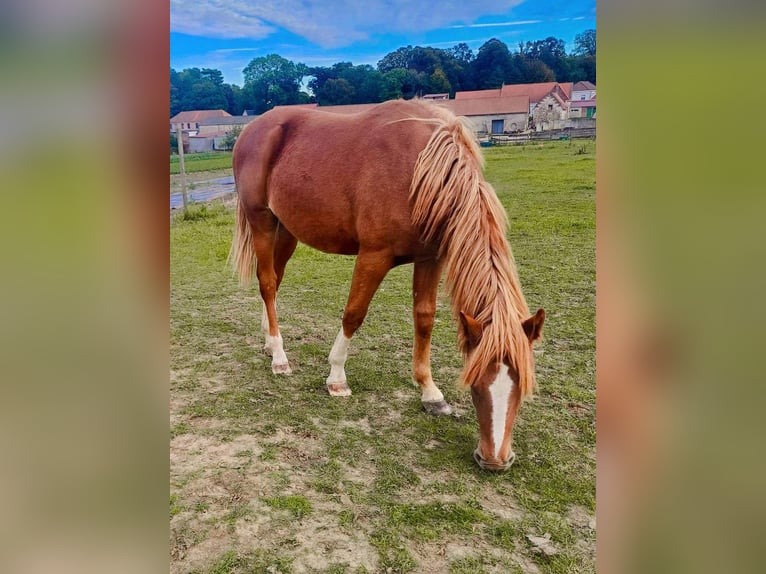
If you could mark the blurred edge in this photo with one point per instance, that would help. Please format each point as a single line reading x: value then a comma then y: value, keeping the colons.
x: 84, y: 303
x: 83, y: 416
x: 680, y: 248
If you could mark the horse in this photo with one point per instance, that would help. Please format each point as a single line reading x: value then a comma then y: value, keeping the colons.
x: 398, y: 183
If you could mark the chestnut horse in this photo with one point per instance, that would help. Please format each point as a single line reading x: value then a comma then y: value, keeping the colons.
x: 399, y: 183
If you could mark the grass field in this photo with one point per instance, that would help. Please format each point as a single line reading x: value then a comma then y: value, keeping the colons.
x: 269, y: 474
x: 194, y: 162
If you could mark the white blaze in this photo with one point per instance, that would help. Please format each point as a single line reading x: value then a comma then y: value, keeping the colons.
x: 500, y: 390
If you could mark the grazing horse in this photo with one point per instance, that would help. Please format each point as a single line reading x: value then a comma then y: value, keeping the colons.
x: 399, y: 183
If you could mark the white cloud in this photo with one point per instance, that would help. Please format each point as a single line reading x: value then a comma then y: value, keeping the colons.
x: 327, y: 23
x: 498, y: 24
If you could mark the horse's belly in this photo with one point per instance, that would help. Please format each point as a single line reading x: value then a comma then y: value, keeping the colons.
x: 333, y: 220
x: 317, y: 226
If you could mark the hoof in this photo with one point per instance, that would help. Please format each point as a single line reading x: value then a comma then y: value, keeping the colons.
x: 340, y: 389
x: 437, y: 408
x: 281, y: 369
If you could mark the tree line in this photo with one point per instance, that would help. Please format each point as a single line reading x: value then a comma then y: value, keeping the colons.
x: 404, y: 73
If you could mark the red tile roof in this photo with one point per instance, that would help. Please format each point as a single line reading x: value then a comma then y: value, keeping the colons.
x: 583, y: 86
x: 488, y: 106
x: 473, y: 94
x: 536, y: 92
x: 198, y: 115
x: 309, y: 106
x: 467, y: 107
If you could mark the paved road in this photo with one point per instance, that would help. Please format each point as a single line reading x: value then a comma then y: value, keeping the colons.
x: 204, y: 191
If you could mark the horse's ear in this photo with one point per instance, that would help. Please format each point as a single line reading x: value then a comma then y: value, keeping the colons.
x: 473, y: 329
x: 533, y: 326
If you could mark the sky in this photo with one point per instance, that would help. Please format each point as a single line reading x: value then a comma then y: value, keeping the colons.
x: 228, y: 34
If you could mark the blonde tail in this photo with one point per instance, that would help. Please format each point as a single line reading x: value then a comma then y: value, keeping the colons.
x: 241, y: 254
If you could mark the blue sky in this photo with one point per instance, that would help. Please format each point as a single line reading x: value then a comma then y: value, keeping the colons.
x: 227, y: 34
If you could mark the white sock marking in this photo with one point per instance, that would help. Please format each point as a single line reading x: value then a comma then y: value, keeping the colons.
x: 337, y: 358
x: 500, y: 390
x: 265, y: 321
x: 274, y: 344
x: 431, y: 393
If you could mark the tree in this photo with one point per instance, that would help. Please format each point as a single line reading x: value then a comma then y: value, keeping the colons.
x: 197, y: 89
x: 336, y: 92
x: 438, y: 82
x: 212, y: 75
x: 461, y: 52
x: 536, y: 71
x: 492, y: 65
x: 552, y: 53
x: 585, y: 43
x: 401, y: 83
x: 273, y: 80
x: 399, y: 59
x: 228, y: 141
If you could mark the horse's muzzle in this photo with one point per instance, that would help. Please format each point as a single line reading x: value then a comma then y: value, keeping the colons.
x: 493, y: 466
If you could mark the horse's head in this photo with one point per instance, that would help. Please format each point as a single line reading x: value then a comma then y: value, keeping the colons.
x: 496, y: 394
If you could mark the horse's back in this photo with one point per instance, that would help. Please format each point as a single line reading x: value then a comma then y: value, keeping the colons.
x: 336, y: 181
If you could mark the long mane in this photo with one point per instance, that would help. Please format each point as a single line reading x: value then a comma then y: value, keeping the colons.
x: 454, y: 207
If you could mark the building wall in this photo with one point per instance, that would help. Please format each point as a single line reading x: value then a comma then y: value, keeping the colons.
x: 511, y: 122
x: 581, y: 95
x: 577, y: 123
x: 197, y: 145
x: 218, y: 128
x: 549, y: 115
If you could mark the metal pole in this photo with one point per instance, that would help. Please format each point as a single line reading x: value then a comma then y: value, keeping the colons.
x: 179, y: 135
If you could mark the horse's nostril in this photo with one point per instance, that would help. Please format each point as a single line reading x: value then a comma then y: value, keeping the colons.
x: 491, y: 466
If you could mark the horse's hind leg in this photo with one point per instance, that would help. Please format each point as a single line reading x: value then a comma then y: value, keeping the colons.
x: 284, y: 247
x: 369, y: 271
x: 265, y: 238
x: 425, y: 282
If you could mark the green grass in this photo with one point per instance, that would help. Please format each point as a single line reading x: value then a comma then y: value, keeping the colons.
x: 373, y: 467
x: 297, y: 506
x: 194, y: 162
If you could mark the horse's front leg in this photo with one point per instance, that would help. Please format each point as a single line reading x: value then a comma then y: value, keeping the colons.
x: 370, y: 269
x: 425, y: 282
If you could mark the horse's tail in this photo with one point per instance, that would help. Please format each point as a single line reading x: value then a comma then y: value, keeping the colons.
x: 242, y: 254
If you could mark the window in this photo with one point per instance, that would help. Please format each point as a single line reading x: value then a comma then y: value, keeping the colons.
x: 550, y: 106
x: 497, y: 126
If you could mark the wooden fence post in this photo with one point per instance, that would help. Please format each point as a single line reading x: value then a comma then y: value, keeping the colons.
x: 179, y: 135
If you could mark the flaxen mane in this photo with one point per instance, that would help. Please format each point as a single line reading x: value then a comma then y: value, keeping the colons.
x: 453, y: 206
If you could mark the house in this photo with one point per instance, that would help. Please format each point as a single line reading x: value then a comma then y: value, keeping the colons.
x: 582, y: 109
x: 504, y: 114
x: 496, y: 115
x: 583, y: 91
x: 474, y: 94
x: 212, y: 131
x: 190, y: 120
x: 550, y: 112
x: 537, y: 92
